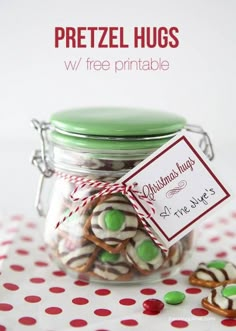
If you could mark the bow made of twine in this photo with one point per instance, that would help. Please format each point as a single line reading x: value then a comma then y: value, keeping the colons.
x: 106, y: 188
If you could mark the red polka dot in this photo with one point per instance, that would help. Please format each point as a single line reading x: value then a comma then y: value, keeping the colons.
x: 31, y: 225
x: 3, y: 257
x: 37, y: 280
x: 208, y: 225
x: 229, y: 322
x: 199, y: 312
x: 179, y: 324
x: 102, y: 291
x: 223, y: 221
x: 102, y: 312
x: 53, y: 310
x: 80, y: 283
x: 127, y: 302
x: 234, y: 248
x: 193, y: 290
x: 59, y: 273
x: 16, y: 217
x: 32, y: 298
x: 6, y: 242
x: 57, y: 289
x: 186, y: 272
x: 41, y: 264
x: 3, y: 328
x: 22, y: 252
x: 12, y: 230
x: 214, y: 239
x: 230, y: 233
x: 42, y: 248
x: 148, y: 291
x: 221, y: 254
x: 80, y: 301
x: 5, y: 307
x: 26, y: 238
x: 201, y: 248
x: 17, y: 267
x: 129, y: 322
x: 27, y: 320
x: 169, y: 281
x: 165, y: 274
x: 78, y: 323
x: 11, y: 287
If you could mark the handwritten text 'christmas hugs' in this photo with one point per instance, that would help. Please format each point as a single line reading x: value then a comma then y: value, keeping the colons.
x: 179, y: 182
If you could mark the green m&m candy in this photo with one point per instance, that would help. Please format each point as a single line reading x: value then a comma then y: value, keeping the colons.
x: 229, y: 291
x: 114, y: 219
x: 218, y: 264
x: 174, y: 297
x: 147, y: 250
x: 108, y: 257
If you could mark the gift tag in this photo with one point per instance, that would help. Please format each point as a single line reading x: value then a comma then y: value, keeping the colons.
x: 180, y: 185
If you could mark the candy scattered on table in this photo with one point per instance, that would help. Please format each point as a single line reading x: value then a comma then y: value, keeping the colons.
x: 213, y: 274
x: 68, y: 304
x: 174, y: 297
x: 222, y: 300
x: 153, y: 305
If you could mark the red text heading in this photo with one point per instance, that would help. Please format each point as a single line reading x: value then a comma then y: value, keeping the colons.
x: 115, y: 37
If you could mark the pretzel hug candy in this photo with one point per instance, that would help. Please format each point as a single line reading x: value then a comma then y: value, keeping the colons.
x: 112, y: 222
x: 143, y: 254
x: 112, y: 267
x: 212, y: 274
x: 108, y: 241
x: 77, y: 255
x: 175, y: 255
x: 222, y: 300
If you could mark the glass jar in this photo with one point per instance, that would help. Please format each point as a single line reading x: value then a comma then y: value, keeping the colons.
x: 96, y: 236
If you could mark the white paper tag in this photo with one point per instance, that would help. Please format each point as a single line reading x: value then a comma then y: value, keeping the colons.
x: 179, y: 182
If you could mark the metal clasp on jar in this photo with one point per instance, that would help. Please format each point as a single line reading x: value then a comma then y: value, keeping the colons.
x: 205, y: 143
x: 40, y: 160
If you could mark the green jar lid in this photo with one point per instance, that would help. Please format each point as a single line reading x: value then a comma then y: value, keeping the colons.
x: 105, y: 127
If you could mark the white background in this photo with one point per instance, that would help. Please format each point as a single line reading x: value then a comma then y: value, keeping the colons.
x: 34, y: 83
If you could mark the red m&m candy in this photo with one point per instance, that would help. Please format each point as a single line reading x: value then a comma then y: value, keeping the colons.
x: 153, y: 305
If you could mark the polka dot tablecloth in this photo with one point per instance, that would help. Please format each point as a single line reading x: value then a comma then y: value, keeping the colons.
x: 35, y: 295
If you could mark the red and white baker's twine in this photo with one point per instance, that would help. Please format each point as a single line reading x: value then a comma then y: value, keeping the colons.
x: 106, y: 189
